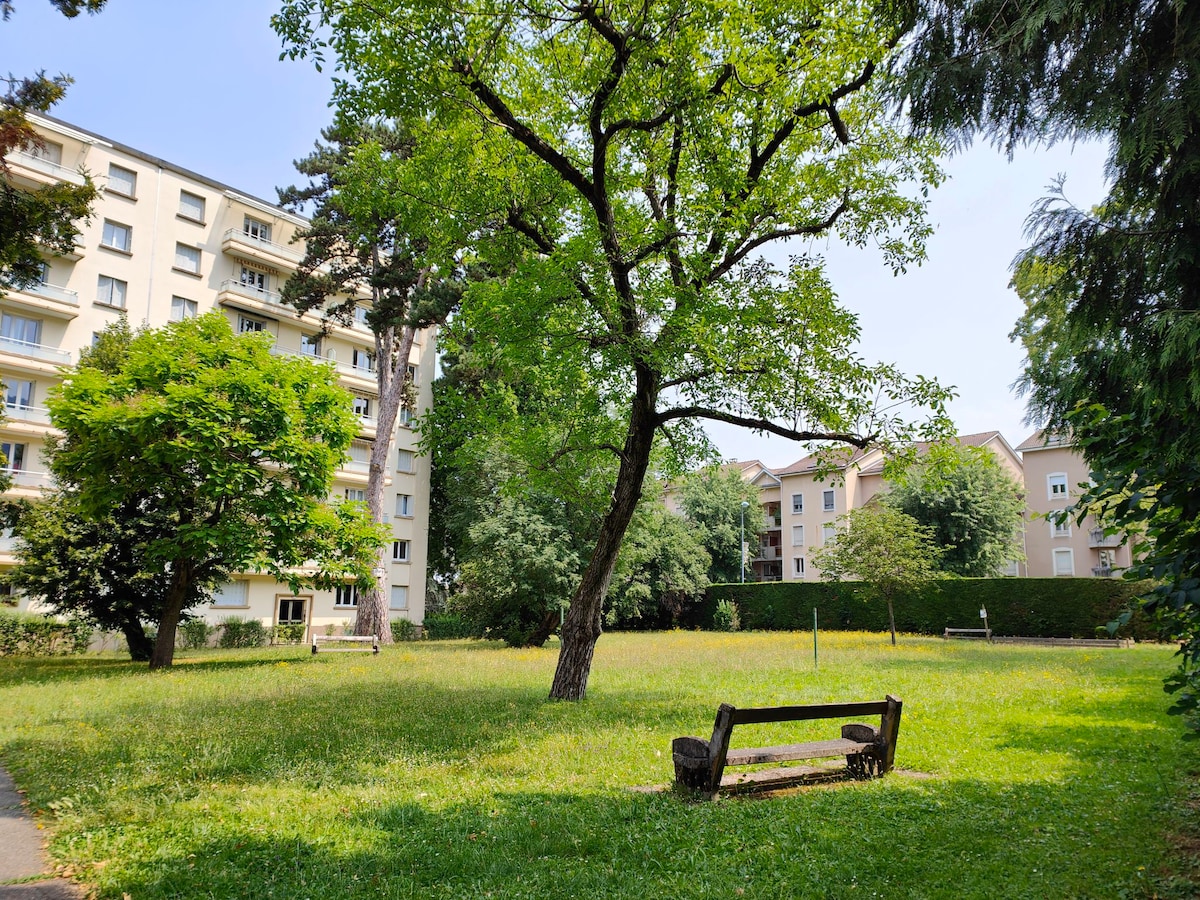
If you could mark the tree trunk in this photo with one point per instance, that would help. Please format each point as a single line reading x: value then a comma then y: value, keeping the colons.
x: 164, y: 645
x: 141, y: 648
x: 892, y: 619
x: 581, y: 628
x: 391, y: 372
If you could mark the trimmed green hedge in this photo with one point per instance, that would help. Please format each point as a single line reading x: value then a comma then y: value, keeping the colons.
x: 1024, y: 607
x: 31, y: 635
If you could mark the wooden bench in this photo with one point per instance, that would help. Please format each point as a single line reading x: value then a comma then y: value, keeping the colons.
x: 345, y: 638
x: 970, y: 633
x: 869, y: 751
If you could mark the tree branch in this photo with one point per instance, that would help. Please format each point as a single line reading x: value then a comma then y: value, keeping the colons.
x: 716, y: 415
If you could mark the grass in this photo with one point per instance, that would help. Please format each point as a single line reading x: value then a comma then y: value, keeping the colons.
x: 440, y: 770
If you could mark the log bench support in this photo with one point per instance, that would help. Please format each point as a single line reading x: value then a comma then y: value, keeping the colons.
x: 869, y: 751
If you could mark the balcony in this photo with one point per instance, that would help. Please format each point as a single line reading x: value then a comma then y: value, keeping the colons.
x: 769, y: 553
x: 233, y: 290
x: 237, y: 241
x: 41, y: 352
x: 33, y: 415
x: 1103, y: 571
x: 29, y: 170
x: 770, y: 522
x: 47, y: 299
x: 23, y: 478
x: 1097, y: 539
x: 365, y: 376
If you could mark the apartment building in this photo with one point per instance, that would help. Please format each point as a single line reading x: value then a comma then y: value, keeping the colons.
x: 166, y: 244
x: 1057, y: 545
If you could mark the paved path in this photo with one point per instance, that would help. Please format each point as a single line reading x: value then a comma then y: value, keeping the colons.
x: 21, y: 854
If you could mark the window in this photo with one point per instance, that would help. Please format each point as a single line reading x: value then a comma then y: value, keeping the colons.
x: 404, y: 461
x: 1010, y: 569
x: 827, y: 501
x: 116, y: 236
x: 798, y: 566
x: 256, y: 230
x: 47, y: 150
x: 254, y: 279
x: 235, y: 593
x: 1060, y: 527
x: 357, y: 494
x: 291, y: 610
x: 187, y: 259
x: 399, y: 597
x: 346, y: 595
x: 122, y: 181
x: 18, y: 394
x: 44, y: 274
x: 360, y: 317
x: 111, y: 292
x: 797, y: 535
x: 182, y: 308
x: 20, y: 329
x: 1056, y: 484
x: 360, y: 451
x: 404, y: 505
x: 1064, y: 562
x: 362, y: 406
x: 310, y: 344
x: 14, y: 455
x: 828, y: 533
x: 363, y: 360
x: 405, y: 415
x: 400, y: 551
x: 412, y: 374
x: 247, y: 324
x: 191, y: 206
x: 797, y: 504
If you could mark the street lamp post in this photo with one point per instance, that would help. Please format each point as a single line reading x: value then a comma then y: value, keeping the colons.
x: 745, y: 506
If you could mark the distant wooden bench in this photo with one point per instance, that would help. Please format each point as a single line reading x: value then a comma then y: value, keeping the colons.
x: 345, y: 638
x: 983, y: 634
x: 869, y: 751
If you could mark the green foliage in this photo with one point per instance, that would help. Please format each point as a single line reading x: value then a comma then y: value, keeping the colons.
x: 725, y: 617
x: 521, y: 573
x: 712, y: 499
x: 31, y: 635
x: 661, y: 570
x: 446, y: 626
x: 239, y: 633
x: 194, y: 634
x: 972, y: 506
x: 291, y: 633
x: 218, y: 455
x: 1022, y: 607
x: 403, y: 630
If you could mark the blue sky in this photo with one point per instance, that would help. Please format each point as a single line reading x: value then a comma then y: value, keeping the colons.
x: 200, y: 84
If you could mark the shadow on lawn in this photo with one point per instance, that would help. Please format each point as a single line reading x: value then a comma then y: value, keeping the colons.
x: 897, y: 838
x: 45, y: 670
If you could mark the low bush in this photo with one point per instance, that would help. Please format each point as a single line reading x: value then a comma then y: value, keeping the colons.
x: 725, y: 616
x: 194, y: 634
x: 31, y: 635
x: 1024, y: 607
x: 237, y: 632
x: 288, y: 634
x: 403, y: 630
x: 446, y: 626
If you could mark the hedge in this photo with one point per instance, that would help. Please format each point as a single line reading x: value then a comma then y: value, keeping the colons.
x: 1023, y: 607
x: 29, y: 635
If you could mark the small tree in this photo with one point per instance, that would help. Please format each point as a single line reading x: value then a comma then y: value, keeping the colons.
x: 883, y: 547
x: 972, y: 505
x: 712, y: 499
x: 663, y: 565
x: 221, y: 457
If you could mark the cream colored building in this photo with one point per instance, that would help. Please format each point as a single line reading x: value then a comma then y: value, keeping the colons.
x: 1054, y: 545
x: 163, y: 244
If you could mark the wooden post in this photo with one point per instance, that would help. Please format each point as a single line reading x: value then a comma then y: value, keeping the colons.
x: 718, y: 747
x: 889, y: 732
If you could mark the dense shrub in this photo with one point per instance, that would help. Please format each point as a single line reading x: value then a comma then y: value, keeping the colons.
x: 1025, y: 607
x: 288, y: 634
x: 445, y: 626
x: 30, y: 635
x: 194, y: 634
x: 403, y: 630
x: 725, y: 616
x: 238, y: 632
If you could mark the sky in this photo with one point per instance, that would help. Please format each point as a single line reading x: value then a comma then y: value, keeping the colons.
x: 199, y: 83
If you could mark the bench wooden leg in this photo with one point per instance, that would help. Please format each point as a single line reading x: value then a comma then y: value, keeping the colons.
x: 690, y: 755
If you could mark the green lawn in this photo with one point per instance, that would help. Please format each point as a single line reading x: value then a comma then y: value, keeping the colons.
x: 440, y: 770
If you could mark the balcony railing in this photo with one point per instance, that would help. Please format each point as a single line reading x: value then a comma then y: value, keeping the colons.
x: 238, y: 236
x: 769, y: 553
x: 236, y: 286
x: 46, y: 167
x: 36, y: 351
x: 1097, y: 538
x: 1102, y: 571
x: 28, y: 479
x: 17, y: 413
x: 344, y: 368
x: 53, y: 292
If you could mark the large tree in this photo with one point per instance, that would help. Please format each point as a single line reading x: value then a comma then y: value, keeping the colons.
x: 624, y: 166
x: 359, y: 240
x: 889, y: 550
x: 220, y: 453
x: 1111, y: 293
x: 974, y: 508
x: 712, y: 499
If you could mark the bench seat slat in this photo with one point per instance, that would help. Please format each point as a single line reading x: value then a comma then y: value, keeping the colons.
x: 765, y: 714
x: 787, y: 752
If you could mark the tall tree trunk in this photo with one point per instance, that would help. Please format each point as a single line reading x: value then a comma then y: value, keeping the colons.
x: 892, y: 619
x: 582, y: 628
x: 164, y: 645
x: 141, y: 648
x: 391, y: 368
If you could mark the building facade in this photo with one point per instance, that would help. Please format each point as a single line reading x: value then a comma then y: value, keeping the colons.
x: 166, y: 244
